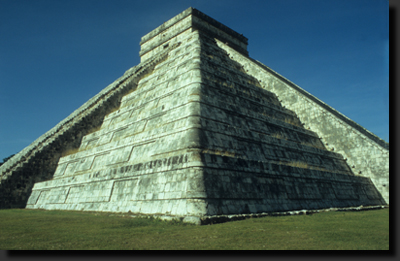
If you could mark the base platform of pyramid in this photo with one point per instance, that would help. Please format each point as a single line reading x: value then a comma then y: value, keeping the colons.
x: 208, y: 131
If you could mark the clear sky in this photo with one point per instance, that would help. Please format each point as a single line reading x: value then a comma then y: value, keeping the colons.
x: 56, y: 55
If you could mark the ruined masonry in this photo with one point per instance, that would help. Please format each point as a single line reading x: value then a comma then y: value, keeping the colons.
x: 196, y: 130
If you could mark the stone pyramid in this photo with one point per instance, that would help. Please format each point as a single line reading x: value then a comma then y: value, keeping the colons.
x: 199, y: 129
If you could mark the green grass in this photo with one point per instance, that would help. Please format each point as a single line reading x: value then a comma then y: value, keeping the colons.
x: 37, y: 229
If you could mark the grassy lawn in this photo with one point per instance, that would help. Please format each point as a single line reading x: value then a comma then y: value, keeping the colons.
x: 37, y: 229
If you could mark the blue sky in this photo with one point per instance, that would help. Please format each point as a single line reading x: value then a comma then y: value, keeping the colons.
x: 55, y: 55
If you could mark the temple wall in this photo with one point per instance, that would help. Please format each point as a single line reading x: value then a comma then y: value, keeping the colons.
x: 177, y: 28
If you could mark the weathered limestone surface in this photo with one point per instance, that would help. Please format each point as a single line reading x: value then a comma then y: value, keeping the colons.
x: 38, y: 161
x: 366, y: 153
x: 199, y: 135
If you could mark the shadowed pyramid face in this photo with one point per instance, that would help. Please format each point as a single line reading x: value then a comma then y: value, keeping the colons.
x: 197, y: 137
